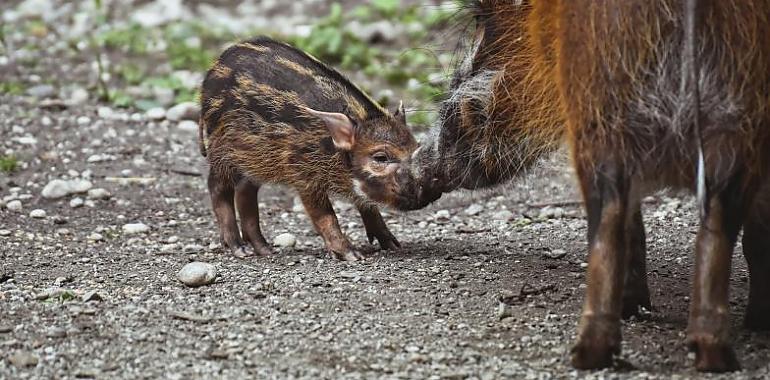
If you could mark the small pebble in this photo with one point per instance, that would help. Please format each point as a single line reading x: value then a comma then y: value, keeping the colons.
x: 14, y: 205
x: 503, y: 215
x: 92, y: 295
x: 5, y: 232
x: 474, y: 209
x: 23, y: 359
x: 197, y: 274
x: 442, y: 216
x: 135, y: 228
x: 76, y: 202
x: 156, y: 113
x: 285, y: 240
x: 98, y: 193
x: 37, y: 214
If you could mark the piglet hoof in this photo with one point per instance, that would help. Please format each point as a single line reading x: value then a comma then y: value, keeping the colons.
x: 242, y: 252
x: 263, y: 250
x: 711, y: 356
x: 757, y: 319
x: 351, y: 255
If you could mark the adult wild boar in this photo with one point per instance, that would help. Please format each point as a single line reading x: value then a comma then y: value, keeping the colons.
x: 647, y: 94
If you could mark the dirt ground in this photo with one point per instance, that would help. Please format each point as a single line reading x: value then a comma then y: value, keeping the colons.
x: 431, y: 310
x: 488, y: 284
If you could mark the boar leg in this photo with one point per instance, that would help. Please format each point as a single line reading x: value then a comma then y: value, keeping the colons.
x: 708, y: 329
x: 636, y: 291
x: 222, y: 196
x: 606, y: 191
x: 321, y: 213
x: 756, y: 249
x: 376, y: 228
x: 248, y: 208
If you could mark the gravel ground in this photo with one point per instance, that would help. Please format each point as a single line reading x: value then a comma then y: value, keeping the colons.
x: 488, y: 284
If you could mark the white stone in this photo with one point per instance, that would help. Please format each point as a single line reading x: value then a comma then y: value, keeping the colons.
x: 297, y: 206
x: 183, y: 111
x: 83, y: 121
x: 135, y: 228
x: 14, y: 205
x: 157, y: 113
x: 197, y: 274
x: 25, y: 140
x: 442, y: 216
x: 37, y: 214
x: 105, y: 112
x: 504, y: 215
x: 98, y: 193
x: 187, y: 126
x: 76, y: 202
x: 474, y: 209
x: 59, y: 188
x: 78, y: 96
x: 193, y: 248
x: 5, y: 232
x: 95, y: 237
x: 285, y: 240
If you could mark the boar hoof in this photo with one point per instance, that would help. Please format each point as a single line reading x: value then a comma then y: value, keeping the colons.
x: 711, y: 356
x: 632, y: 305
x: 389, y: 243
x: 592, y: 355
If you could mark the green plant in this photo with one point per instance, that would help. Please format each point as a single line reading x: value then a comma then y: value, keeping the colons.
x: 8, y: 163
x: 11, y: 88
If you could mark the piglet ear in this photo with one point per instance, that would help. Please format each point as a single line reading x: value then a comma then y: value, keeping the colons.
x: 400, y: 113
x: 339, y: 126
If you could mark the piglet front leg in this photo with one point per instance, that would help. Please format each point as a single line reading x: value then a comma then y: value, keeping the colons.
x: 321, y: 213
x: 377, y: 229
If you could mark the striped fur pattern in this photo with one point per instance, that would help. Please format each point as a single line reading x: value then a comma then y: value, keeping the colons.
x: 256, y: 126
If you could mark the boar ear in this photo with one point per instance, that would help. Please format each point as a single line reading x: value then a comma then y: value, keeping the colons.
x: 400, y: 113
x: 339, y: 126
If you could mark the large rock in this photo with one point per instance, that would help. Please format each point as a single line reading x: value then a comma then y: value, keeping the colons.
x: 197, y: 274
x: 59, y: 188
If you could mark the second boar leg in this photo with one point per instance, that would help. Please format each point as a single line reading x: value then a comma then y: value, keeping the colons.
x: 321, y: 213
x: 708, y: 328
x: 756, y: 249
x: 377, y: 229
x: 606, y: 192
x: 636, y: 292
x: 222, y: 194
x: 246, y: 198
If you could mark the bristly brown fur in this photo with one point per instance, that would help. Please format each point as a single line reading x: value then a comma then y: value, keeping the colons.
x: 608, y: 75
x: 263, y: 105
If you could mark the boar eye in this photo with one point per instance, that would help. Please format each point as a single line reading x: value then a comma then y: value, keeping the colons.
x: 381, y: 157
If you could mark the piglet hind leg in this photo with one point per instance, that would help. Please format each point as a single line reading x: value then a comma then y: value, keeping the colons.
x: 756, y: 249
x: 708, y: 330
x: 606, y: 193
x: 377, y: 229
x: 222, y: 194
x: 246, y: 198
x: 321, y: 213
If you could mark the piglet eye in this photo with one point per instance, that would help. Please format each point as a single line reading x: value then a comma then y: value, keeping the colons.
x: 381, y: 158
